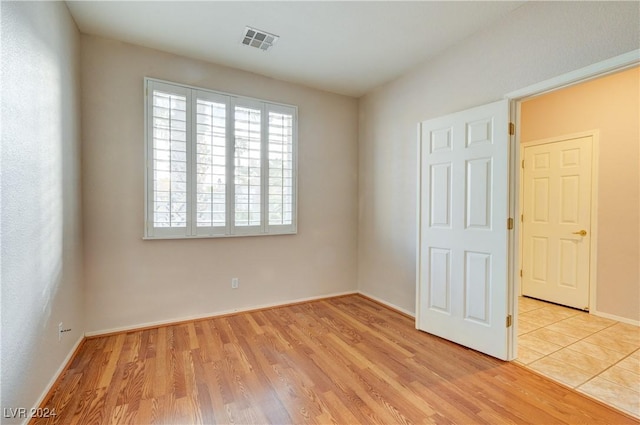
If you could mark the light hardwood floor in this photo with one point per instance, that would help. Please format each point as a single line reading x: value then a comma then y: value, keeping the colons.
x: 344, y: 360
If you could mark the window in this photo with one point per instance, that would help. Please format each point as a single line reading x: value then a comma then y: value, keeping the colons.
x: 217, y: 164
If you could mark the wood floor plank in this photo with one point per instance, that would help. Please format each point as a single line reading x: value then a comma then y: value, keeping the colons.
x: 160, y: 378
x: 345, y: 360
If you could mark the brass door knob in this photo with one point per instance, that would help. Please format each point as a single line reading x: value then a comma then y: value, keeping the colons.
x: 581, y: 233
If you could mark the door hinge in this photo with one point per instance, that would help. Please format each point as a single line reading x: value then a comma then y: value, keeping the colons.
x: 509, y: 321
x: 522, y: 218
x: 520, y: 272
x: 512, y: 129
x: 523, y: 164
x: 510, y: 223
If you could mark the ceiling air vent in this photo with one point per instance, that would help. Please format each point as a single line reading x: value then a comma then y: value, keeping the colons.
x: 259, y: 39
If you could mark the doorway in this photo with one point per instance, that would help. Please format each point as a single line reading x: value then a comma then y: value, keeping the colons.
x: 573, y: 347
x: 606, y: 109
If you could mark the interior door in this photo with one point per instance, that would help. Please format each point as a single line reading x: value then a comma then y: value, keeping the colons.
x: 462, y: 275
x: 556, y: 223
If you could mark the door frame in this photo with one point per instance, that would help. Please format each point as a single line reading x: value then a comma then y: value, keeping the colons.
x: 593, y: 230
x: 593, y: 71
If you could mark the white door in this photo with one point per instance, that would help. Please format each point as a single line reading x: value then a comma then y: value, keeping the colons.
x: 556, y: 222
x: 462, y: 228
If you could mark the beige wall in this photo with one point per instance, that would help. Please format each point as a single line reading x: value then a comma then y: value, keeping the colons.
x: 538, y: 41
x: 610, y: 105
x: 131, y: 281
x: 41, y: 239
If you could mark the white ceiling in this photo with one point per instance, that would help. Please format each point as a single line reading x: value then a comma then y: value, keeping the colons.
x: 347, y: 47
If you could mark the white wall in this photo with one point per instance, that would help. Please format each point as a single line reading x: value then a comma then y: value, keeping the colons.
x: 538, y: 41
x: 131, y: 282
x: 41, y: 231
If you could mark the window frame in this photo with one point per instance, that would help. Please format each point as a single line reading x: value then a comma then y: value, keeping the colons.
x: 192, y: 94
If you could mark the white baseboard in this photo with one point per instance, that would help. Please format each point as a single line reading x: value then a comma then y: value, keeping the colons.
x: 56, y: 375
x: 616, y: 318
x: 213, y: 314
x: 388, y: 304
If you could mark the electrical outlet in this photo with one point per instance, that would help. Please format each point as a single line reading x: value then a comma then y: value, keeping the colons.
x: 234, y: 283
x: 61, y: 330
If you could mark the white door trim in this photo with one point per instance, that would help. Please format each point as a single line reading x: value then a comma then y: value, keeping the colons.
x: 598, y: 69
x: 595, y: 145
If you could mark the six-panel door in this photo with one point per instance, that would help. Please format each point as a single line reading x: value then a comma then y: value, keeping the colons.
x: 557, y: 221
x: 463, y: 240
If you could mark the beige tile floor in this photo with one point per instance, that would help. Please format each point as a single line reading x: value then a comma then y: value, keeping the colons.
x: 596, y: 356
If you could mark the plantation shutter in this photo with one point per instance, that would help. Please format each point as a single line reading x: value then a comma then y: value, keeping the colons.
x: 281, y: 167
x: 217, y: 165
x: 211, y: 164
x: 168, y: 168
x: 248, y: 137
